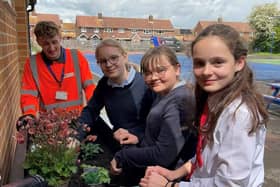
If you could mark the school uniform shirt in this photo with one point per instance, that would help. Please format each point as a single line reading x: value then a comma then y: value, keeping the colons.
x: 235, y: 158
x: 163, y: 139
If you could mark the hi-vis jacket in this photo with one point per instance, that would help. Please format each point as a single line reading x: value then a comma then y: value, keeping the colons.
x: 42, y: 91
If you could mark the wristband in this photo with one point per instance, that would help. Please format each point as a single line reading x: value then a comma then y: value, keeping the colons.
x: 173, y: 184
x: 168, y: 181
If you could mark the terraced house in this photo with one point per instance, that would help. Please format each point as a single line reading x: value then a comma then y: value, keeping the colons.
x: 129, y: 29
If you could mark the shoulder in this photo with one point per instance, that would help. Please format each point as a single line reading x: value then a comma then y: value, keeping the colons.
x: 183, y: 92
x: 236, y: 115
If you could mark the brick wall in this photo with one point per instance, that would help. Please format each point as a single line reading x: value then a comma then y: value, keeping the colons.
x: 13, y: 51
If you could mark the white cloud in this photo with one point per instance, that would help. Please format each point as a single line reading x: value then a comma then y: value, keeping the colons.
x: 182, y: 13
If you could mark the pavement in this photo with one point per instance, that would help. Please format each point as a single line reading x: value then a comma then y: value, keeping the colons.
x: 272, y: 145
x: 272, y: 148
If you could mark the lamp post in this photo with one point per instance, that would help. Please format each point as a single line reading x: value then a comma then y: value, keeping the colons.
x: 272, y: 42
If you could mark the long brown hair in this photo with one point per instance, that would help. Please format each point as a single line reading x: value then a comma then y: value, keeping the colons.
x: 241, y: 85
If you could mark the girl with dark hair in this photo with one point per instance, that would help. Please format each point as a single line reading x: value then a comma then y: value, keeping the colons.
x: 231, y: 117
x: 167, y: 132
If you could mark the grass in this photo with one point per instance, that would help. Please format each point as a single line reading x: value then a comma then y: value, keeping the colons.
x: 266, y: 58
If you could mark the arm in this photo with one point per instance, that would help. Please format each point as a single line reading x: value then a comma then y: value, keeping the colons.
x: 29, y: 99
x: 164, y: 150
x: 160, y: 177
x: 91, y: 112
x: 171, y: 175
x: 136, y: 134
x: 86, y: 76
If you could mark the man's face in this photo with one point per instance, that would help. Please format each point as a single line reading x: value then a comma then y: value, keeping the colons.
x: 50, y: 46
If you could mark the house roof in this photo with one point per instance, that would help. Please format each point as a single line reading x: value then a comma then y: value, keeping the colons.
x: 68, y: 26
x: 239, y: 26
x: 36, y: 17
x: 116, y: 22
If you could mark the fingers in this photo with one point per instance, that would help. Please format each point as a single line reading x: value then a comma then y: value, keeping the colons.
x: 128, y: 139
x: 114, y: 169
x: 143, y: 182
x: 24, y: 120
x: 73, y: 143
x: 118, y: 133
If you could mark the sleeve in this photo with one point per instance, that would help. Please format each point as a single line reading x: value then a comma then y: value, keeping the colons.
x: 145, y: 107
x: 166, y: 148
x: 91, y: 112
x: 86, y: 76
x: 237, y: 154
x: 29, y: 96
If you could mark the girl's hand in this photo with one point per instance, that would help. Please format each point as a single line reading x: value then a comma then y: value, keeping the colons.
x: 153, y: 180
x: 119, y: 132
x: 114, y: 169
x: 123, y: 136
x: 169, y: 174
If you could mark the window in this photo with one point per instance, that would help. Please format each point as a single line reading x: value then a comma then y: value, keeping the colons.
x: 96, y: 30
x: 147, y: 31
x: 83, y: 29
x: 133, y: 30
x: 121, y: 30
x: 108, y: 30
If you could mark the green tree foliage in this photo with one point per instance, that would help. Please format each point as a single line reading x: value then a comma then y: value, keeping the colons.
x: 265, y: 20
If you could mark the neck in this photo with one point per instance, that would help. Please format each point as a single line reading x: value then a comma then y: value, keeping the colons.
x: 121, y: 79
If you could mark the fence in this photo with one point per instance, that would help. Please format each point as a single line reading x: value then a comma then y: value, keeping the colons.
x: 85, y: 45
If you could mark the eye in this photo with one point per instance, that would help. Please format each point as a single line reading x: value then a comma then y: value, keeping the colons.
x: 114, y: 57
x: 218, y: 62
x: 198, y: 63
x: 161, y: 69
x: 147, y: 73
x: 102, y: 61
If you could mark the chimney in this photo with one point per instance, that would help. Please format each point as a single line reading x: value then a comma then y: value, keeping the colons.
x: 220, y: 19
x: 151, y: 18
x: 99, y: 15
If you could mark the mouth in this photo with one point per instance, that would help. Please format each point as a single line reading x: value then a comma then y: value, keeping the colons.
x: 208, y: 82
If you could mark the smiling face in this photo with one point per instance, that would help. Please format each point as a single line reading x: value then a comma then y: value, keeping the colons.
x: 161, y: 76
x: 113, y: 63
x: 50, y: 46
x: 214, y: 65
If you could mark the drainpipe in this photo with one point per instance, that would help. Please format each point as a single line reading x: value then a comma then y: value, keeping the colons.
x: 29, y: 8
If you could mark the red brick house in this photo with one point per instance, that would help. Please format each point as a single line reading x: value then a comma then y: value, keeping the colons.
x: 129, y: 29
x: 243, y: 28
x: 34, y: 18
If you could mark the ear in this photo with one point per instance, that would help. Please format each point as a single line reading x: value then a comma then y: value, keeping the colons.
x: 38, y: 41
x: 240, y: 63
x: 178, y: 70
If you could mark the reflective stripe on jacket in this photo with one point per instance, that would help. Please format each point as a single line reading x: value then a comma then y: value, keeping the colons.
x: 39, y: 87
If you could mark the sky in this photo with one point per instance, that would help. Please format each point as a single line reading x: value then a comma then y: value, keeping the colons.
x: 182, y: 13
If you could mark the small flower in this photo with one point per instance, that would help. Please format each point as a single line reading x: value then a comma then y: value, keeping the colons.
x: 31, y: 131
x: 51, y: 141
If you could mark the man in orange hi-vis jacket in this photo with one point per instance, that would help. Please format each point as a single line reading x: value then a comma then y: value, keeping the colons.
x: 56, y: 77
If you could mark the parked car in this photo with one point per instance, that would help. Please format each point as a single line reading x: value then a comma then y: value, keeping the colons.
x: 173, y: 43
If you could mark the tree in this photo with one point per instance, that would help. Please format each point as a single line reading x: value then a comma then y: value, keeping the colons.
x: 265, y: 20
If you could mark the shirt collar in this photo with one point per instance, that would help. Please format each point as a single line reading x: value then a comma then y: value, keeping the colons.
x: 131, y: 75
x: 61, y: 58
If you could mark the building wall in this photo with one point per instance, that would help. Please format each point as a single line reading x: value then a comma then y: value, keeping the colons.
x: 13, y: 50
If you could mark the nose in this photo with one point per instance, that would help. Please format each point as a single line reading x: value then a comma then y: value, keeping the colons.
x: 52, y: 47
x: 154, y: 76
x: 207, y: 70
